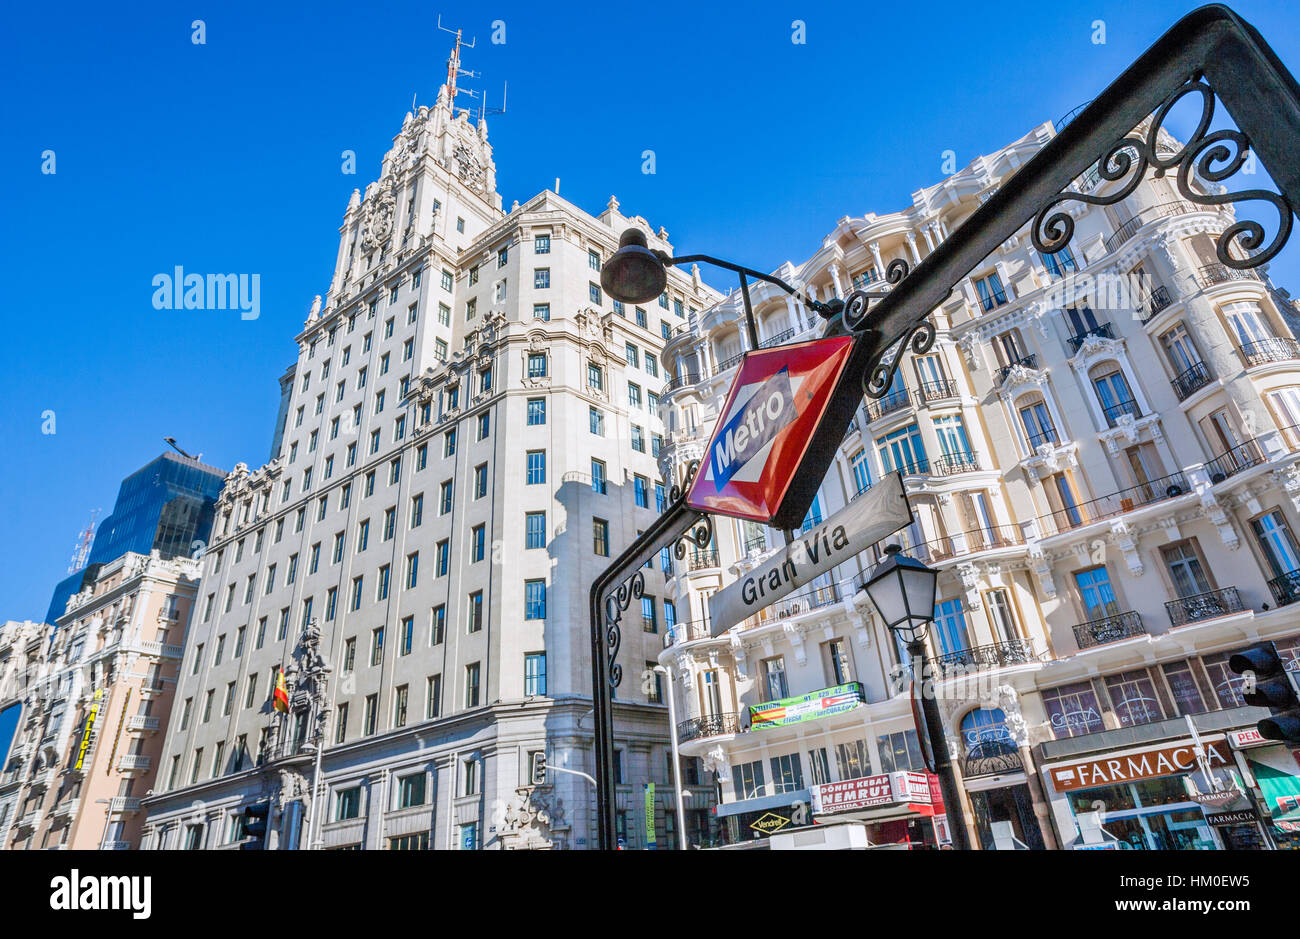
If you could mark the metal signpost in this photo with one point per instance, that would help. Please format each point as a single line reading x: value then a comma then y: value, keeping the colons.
x: 1209, y: 53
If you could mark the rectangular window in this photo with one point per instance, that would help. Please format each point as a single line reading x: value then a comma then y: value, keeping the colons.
x: 478, y: 543
x: 475, y: 612
x: 536, y: 411
x: 596, y: 421
x: 598, y: 476
x: 471, y: 685
x: 535, y: 673
x: 376, y: 645
x: 437, y: 624
x: 480, y: 481
x: 536, y: 463
x: 535, y: 530
x: 433, y: 696
x: 600, y: 537
x: 443, y: 552
x: 534, y: 599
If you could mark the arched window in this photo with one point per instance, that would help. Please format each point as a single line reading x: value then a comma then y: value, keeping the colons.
x: 1036, y: 420
x: 988, y: 745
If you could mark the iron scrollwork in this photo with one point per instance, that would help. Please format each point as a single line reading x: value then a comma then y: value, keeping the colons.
x: 1214, y: 156
x: 856, y: 313
x: 615, y: 604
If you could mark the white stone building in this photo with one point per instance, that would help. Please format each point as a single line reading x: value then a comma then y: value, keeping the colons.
x: 470, y: 433
x: 1101, y: 450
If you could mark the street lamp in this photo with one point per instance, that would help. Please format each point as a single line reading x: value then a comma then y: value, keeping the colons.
x: 636, y: 274
x: 677, y: 758
x: 902, y: 589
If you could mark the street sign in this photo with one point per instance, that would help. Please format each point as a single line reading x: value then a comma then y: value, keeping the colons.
x: 766, y: 429
x: 876, y: 514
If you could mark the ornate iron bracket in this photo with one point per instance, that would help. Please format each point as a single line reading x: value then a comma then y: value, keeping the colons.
x: 1214, y: 156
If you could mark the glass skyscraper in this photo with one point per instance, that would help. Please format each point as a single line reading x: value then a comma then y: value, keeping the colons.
x: 166, y: 505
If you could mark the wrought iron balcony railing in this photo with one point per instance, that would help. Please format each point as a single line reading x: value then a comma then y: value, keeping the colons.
x: 1119, y: 409
x: 1211, y: 274
x: 700, y: 559
x: 682, y: 380
x: 758, y: 543
x: 1154, y: 304
x: 800, y: 603
x: 727, y: 364
x: 1046, y: 435
x: 894, y: 401
x: 1130, y: 228
x: 711, y: 725
x: 1190, y: 379
x: 778, y: 338
x: 937, y: 390
x: 1076, y: 341
x: 686, y: 632
x: 1274, y: 349
x: 952, y: 463
x: 1285, y: 587
x: 1108, y: 629
x: 1241, y: 457
x: 1206, y: 605
x: 1029, y: 361
x: 994, y: 655
x: 1116, y: 503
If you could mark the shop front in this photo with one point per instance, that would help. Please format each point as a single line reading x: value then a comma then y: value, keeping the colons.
x: 1143, y: 798
x: 1275, y: 769
x: 996, y: 784
x: 901, y: 810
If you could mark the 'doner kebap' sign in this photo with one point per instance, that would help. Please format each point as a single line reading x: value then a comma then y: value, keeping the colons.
x: 775, y: 405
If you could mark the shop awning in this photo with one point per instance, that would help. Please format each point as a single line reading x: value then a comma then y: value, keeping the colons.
x: 782, y: 801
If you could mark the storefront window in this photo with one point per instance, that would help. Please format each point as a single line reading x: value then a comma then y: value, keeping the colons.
x: 1150, y: 815
x: 1134, y: 698
x: 1073, y: 710
x: 1226, y: 683
x: 1182, y: 683
x: 900, y: 752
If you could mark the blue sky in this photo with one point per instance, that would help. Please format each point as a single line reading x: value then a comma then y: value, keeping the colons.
x: 225, y: 157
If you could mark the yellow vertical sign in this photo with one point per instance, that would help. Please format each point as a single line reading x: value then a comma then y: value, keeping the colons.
x: 90, y: 726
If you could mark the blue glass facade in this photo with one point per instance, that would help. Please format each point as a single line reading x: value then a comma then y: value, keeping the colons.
x: 165, y: 505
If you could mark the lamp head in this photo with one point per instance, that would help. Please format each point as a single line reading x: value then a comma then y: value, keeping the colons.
x: 634, y: 273
x: 902, y: 589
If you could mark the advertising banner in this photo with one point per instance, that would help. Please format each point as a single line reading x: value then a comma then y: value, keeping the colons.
x: 807, y: 707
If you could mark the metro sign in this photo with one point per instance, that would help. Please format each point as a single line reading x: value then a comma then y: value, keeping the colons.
x: 767, y: 427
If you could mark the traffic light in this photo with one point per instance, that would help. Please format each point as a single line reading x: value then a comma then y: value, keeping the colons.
x: 252, y: 826
x: 1270, y: 685
x: 539, y: 768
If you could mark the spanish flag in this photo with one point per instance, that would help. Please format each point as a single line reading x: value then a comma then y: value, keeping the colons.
x: 280, y: 699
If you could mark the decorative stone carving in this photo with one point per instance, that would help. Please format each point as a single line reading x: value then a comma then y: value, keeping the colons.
x: 715, y: 761
x: 796, y: 636
x: 1126, y: 539
x: 1008, y: 701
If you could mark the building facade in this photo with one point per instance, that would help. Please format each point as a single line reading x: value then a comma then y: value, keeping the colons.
x: 95, y: 690
x: 470, y: 432
x: 1101, y: 453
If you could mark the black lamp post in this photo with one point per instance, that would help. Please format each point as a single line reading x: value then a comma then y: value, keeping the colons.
x: 636, y: 274
x: 903, y: 590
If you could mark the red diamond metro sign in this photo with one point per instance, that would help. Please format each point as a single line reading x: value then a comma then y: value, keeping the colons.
x: 775, y: 405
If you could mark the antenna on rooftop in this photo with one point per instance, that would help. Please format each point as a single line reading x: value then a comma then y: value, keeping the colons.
x: 455, y: 71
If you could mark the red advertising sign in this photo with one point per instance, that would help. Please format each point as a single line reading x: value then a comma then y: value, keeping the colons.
x: 902, y: 789
x: 775, y: 404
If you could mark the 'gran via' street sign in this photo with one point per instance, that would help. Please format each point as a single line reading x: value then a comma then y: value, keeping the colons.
x: 876, y: 514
